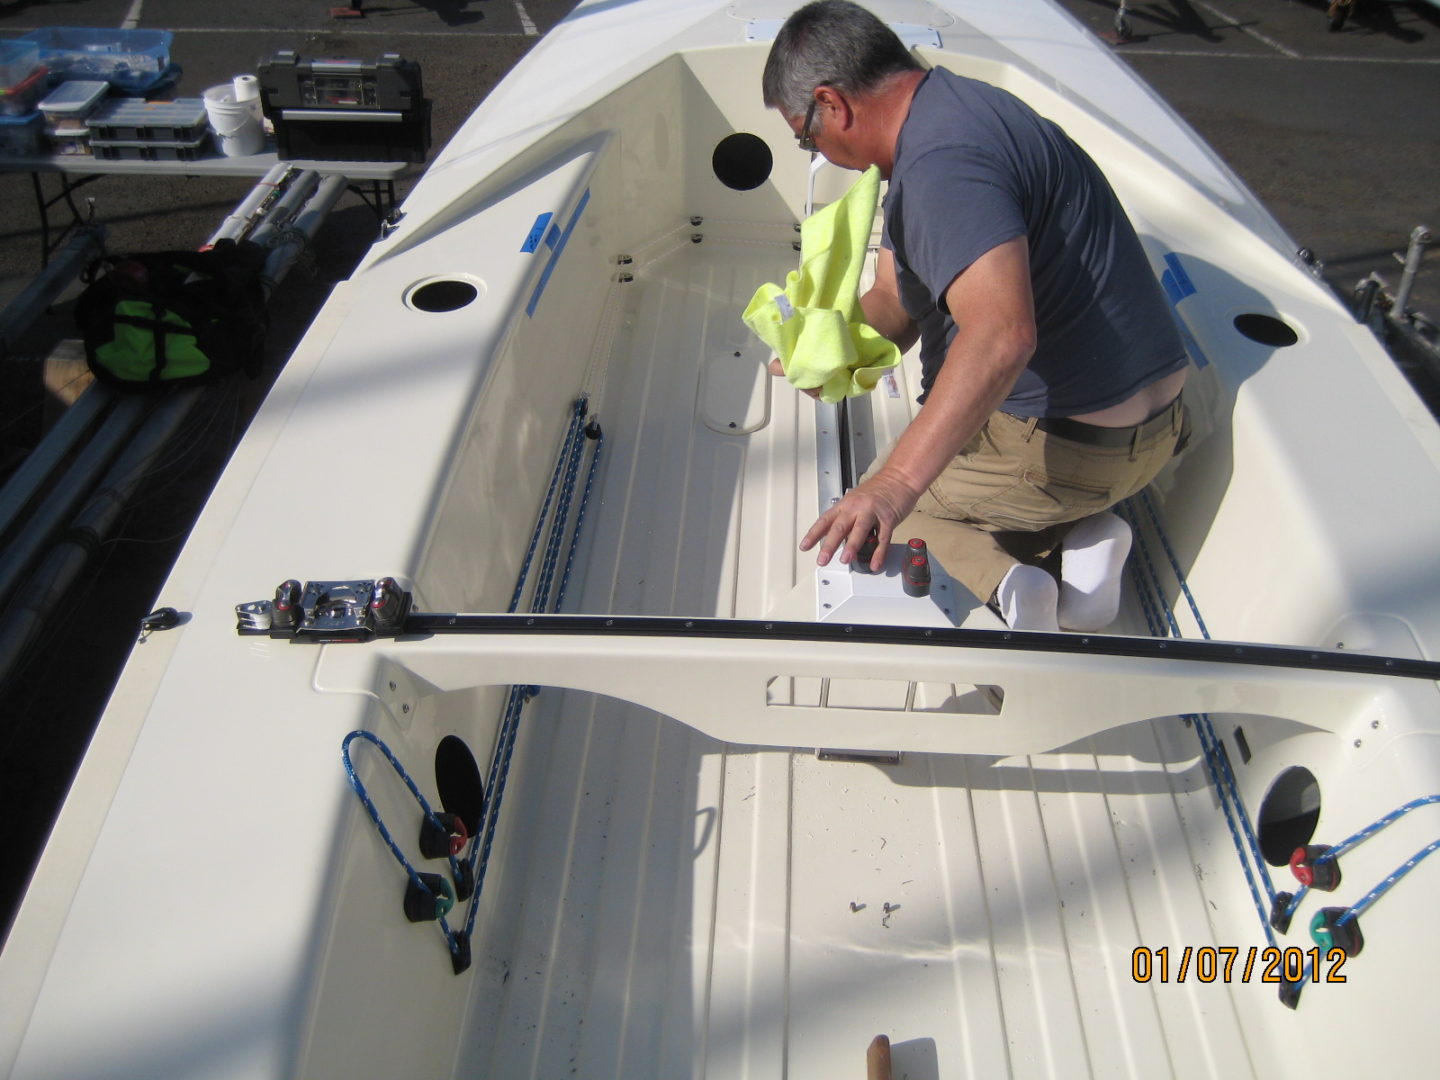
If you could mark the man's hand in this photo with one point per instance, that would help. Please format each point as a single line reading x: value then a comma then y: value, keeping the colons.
x: 778, y: 369
x: 878, y: 504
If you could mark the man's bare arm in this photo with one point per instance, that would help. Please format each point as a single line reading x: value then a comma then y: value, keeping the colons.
x: 882, y: 307
x: 994, y: 312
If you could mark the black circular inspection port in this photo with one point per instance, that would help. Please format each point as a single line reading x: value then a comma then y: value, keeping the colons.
x: 1266, y: 329
x: 1288, y: 814
x: 742, y: 161
x: 457, y: 777
x: 446, y: 295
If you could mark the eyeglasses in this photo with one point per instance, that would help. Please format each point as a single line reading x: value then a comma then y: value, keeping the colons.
x: 806, y: 140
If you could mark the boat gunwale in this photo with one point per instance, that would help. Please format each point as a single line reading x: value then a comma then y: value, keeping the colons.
x: 423, y: 624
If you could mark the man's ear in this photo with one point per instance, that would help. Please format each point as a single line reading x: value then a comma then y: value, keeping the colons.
x: 838, y: 114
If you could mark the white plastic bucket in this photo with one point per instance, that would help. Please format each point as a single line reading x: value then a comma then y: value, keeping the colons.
x: 237, y: 124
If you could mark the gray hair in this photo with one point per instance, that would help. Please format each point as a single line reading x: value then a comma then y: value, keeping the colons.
x: 831, y: 43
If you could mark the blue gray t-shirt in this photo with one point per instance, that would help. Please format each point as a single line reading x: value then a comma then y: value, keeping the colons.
x: 975, y: 167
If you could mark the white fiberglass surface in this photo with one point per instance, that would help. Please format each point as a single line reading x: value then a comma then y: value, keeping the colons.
x: 663, y: 904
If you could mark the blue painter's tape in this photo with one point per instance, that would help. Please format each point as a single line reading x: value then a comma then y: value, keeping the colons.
x: 1172, y: 289
x: 532, y: 239
x: 1176, y: 281
x: 555, y: 254
x: 1178, y: 286
x: 1192, y: 346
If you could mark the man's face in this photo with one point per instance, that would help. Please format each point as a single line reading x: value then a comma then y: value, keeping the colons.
x: 818, y: 129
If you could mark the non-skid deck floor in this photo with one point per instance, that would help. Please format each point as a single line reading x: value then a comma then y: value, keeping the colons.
x: 665, y: 905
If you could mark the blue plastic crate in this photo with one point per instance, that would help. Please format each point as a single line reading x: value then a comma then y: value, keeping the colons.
x: 18, y: 61
x: 20, y: 135
x: 125, y: 58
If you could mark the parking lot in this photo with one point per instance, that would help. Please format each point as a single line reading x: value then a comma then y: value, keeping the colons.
x: 1337, y: 132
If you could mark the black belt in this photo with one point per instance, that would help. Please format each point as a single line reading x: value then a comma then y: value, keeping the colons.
x: 1062, y: 427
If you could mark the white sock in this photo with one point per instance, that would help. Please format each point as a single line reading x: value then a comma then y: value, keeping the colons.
x: 1092, y: 557
x: 1026, y: 597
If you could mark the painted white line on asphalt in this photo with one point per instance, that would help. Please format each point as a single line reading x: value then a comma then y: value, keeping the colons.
x: 525, y: 23
x: 346, y: 31
x: 1248, y: 31
x: 132, y: 17
x: 1398, y: 61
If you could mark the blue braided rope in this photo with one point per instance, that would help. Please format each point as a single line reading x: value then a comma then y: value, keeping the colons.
x: 1294, y: 904
x: 556, y: 539
x: 504, y: 751
x: 576, y: 416
x: 1154, y: 579
x: 1151, y: 597
x: 1174, y: 563
x: 1242, y: 833
x: 1203, y: 721
x: 1149, y: 602
x: 370, y: 808
x: 580, y: 518
x: 1389, y: 882
x: 567, y: 470
x: 1376, y: 826
x: 1234, y: 809
x: 1358, y: 838
x: 562, y: 459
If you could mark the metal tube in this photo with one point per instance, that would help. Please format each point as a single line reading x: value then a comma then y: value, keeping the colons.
x: 243, y: 218
x: 64, y: 563
x: 292, y: 241
x: 28, y: 305
x: 302, y: 186
x: 1419, y: 239
x: 67, y: 495
x: 53, y: 578
x: 51, y: 452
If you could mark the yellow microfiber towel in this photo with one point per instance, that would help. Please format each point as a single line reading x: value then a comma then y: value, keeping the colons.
x: 814, y: 323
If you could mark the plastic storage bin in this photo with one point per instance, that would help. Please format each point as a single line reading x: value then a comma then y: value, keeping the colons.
x: 65, y: 109
x: 125, y: 58
x: 68, y: 138
x: 135, y: 150
x: 20, y: 135
x: 131, y: 120
x: 316, y: 135
x: 73, y: 100
x: 20, y: 99
x: 18, y: 61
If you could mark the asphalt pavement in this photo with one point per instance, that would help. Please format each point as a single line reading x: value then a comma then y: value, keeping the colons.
x: 1337, y: 132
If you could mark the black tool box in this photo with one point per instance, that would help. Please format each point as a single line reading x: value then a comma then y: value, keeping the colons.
x: 346, y: 110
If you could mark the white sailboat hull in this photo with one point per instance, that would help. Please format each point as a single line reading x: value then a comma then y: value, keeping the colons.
x: 678, y: 884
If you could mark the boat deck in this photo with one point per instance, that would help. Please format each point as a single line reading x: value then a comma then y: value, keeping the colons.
x: 787, y: 908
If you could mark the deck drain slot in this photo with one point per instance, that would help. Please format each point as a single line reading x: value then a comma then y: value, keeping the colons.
x: 1288, y: 814
x: 1266, y: 329
x: 443, y: 294
x: 742, y: 161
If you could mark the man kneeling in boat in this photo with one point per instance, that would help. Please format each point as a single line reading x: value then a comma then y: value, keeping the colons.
x: 1052, y: 367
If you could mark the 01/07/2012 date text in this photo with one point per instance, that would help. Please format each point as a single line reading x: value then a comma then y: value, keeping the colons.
x: 1236, y: 964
